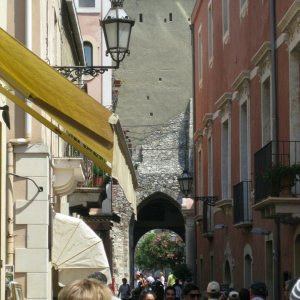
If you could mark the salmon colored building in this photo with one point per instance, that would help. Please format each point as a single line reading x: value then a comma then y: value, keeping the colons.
x: 247, y: 142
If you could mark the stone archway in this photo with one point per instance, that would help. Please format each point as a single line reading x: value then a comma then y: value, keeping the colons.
x: 158, y: 211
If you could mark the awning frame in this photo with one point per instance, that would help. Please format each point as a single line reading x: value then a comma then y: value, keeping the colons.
x: 83, y: 149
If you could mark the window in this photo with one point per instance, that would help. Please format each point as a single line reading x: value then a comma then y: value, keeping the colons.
x: 87, y: 6
x: 243, y: 7
x: 248, y: 270
x: 200, y: 175
x: 225, y: 160
x: 248, y: 262
x: 266, y: 112
x: 212, y: 266
x: 210, y: 32
x: 86, y: 3
x: 200, y: 57
x: 244, y: 142
x: 225, y: 19
x: 269, y: 268
x: 88, y: 52
x: 227, y: 273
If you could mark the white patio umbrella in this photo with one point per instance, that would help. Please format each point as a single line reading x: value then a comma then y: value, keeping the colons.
x: 77, y: 250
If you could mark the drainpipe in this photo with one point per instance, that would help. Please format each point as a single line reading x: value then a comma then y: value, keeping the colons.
x: 28, y: 43
x: 275, y: 137
x: 195, y: 152
x: 10, y: 206
x: 10, y: 147
x: 10, y: 200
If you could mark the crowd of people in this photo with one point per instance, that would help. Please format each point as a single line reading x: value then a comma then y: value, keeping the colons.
x: 150, y: 288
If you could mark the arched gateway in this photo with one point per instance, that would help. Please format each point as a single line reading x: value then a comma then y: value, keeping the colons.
x: 158, y: 211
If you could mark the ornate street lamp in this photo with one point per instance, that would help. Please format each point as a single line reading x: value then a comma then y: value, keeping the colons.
x: 117, y: 31
x: 185, y: 181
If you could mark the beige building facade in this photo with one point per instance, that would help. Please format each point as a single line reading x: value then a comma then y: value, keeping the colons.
x: 37, y: 173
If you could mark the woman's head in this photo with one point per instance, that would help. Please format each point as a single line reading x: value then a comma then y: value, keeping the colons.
x: 85, y: 289
x: 170, y: 293
x: 149, y: 296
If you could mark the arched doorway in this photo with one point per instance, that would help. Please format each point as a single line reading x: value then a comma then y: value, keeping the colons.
x: 227, y: 273
x: 158, y: 211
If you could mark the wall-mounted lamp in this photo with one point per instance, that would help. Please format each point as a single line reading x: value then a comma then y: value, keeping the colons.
x: 5, y: 115
x: 185, y: 181
x: 260, y: 231
x: 117, y: 27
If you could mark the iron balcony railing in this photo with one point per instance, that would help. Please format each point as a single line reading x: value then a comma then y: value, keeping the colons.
x: 208, y: 214
x: 272, y: 157
x: 242, y: 203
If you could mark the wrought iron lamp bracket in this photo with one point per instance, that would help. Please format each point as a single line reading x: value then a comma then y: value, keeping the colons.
x: 75, y: 73
x: 211, y: 200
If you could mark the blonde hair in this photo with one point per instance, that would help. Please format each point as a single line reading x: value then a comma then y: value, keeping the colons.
x: 85, y: 289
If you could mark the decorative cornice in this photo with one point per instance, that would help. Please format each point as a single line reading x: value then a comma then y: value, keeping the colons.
x: 262, y: 53
x: 223, y: 100
x: 239, y: 80
x: 208, y: 117
x: 292, y: 13
x: 198, y: 135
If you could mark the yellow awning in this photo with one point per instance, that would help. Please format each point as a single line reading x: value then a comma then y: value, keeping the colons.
x: 84, y: 120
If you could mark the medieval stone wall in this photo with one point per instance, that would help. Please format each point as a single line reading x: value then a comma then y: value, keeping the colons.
x: 159, y: 161
x: 120, y: 236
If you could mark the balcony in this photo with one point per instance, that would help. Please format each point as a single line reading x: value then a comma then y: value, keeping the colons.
x: 273, y: 164
x: 91, y: 198
x: 242, y: 204
x: 208, y: 215
x: 95, y: 178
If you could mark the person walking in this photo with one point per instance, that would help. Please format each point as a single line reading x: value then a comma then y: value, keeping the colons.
x: 233, y: 295
x: 178, y: 290
x: 213, y: 290
x: 124, y: 290
x: 148, y: 296
x: 258, y: 291
x: 244, y: 294
x: 170, y: 293
x: 191, y: 292
x: 295, y: 292
x: 159, y: 290
x: 171, y: 279
x: 288, y: 285
x: 162, y: 278
x: 84, y: 289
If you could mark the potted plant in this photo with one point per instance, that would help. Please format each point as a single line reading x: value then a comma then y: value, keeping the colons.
x: 100, y: 177
x: 283, y: 175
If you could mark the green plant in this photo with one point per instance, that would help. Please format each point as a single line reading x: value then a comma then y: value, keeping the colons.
x: 277, y: 172
x: 98, y: 171
x: 159, y: 250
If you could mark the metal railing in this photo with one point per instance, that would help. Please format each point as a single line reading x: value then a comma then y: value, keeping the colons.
x: 275, y: 153
x: 242, y: 203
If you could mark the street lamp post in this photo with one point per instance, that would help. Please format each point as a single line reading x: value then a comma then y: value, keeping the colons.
x: 117, y: 27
